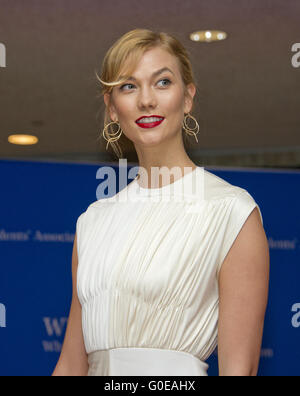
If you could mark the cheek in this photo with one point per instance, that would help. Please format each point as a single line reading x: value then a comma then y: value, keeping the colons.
x: 126, y: 109
x: 173, y: 102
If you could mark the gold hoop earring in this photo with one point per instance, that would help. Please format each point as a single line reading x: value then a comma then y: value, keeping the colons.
x: 191, y: 131
x: 111, y: 137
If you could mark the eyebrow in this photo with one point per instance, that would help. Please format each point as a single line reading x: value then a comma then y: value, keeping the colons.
x: 156, y: 73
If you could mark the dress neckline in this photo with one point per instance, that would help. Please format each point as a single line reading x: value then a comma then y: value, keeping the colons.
x: 175, y: 187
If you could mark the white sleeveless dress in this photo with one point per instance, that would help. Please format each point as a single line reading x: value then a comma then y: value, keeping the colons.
x: 147, y: 280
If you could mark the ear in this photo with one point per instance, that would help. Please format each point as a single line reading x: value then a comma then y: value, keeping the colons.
x: 189, y: 96
x: 110, y: 107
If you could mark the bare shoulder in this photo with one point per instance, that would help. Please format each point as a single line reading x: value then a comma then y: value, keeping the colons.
x: 249, y: 253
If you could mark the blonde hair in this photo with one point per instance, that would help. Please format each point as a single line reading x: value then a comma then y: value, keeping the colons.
x: 130, y: 48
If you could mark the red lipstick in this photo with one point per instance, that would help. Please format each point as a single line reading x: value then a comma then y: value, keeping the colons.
x: 149, y: 124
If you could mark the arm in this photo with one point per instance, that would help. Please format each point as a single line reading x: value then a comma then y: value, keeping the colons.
x: 243, y: 294
x: 73, y: 357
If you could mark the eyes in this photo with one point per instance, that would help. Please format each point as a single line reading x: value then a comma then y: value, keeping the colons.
x: 164, y: 79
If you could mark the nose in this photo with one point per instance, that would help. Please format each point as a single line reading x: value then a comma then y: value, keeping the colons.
x: 146, y: 99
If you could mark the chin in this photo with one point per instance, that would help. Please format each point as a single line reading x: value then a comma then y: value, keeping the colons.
x: 151, y: 141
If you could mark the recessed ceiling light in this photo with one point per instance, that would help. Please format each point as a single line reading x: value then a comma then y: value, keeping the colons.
x: 23, y: 139
x: 208, y: 36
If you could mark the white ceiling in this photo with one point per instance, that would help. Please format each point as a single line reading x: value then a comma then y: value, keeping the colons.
x: 249, y: 98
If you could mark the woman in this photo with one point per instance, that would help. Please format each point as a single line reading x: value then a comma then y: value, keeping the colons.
x: 159, y: 283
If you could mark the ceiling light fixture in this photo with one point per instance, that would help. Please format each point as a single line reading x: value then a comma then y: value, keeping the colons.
x: 23, y: 139
x: 208, y: 36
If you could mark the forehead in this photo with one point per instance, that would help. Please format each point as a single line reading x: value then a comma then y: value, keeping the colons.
x: 152, y: 60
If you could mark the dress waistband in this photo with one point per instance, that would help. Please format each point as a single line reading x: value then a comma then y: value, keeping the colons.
x: 143, y: 362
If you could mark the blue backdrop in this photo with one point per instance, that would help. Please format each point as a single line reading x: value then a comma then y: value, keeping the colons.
x: 40, y: 203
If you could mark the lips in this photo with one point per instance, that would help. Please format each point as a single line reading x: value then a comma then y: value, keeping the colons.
x: 149, y: 124
x: 156, y: 116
